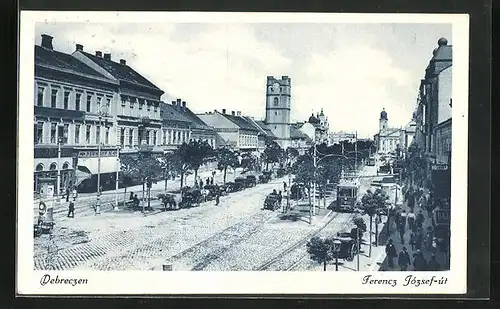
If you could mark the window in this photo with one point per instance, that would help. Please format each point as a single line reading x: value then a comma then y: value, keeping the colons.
x: 174, y: 139
x: 147, y: 136
x: 122, y: 137
x: 65, y: 166
x: 39, y: 133
x: 77, y: 133
x: 281, y: 89
x: 40, y: 96
x: 39, y: 167
x: 64, y: 136
x: 106, y: 137
x: 53, y: 99
x: 148, y: 106
x: 130, y: 137
x: 123, y: 107
x: 140, y: 105
x: 53, y: 132
x: 164, y: 140
x: 66, y: 99
x: 275, y: 101
x: 89, y: 102
x: 155, y: 110
x: 98, y: 134
x: 154, y: 137
x: 77, y: 101
x: 108, y: 104
x: 53, y: 166
x: 98, y: 104
x: 87, y: 133
x: 179, y: 138
x: 275, y: 113
x: 168, y: 136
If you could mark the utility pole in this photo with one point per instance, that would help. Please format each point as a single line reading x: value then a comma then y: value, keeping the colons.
x: 58, y: 179
x: 356, y: 154
x: 117, y: 171
x: 314, y: 186
x: 98, y: 205
x: 359, y: 247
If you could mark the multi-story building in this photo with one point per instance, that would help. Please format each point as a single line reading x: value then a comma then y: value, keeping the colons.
x: 265, y: 134
x: 338, y: 137
x: 175, y: 127
x: 199, y: 130
x: 299, y: 140
x: 138, y: 113
x: 317, y: 128
x: 433, y: 117
x: 238, y: 132
x: 388, y: 139
x: 74, y: 111
x: 278, y: 106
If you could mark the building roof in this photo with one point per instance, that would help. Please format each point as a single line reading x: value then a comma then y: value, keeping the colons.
x: 196, y: 121
x: 295, y: 133
x: 61, y: 61
x: 313, y: 119
x: 167, y: 112
x: 122, y: 72
x: 241, y: 122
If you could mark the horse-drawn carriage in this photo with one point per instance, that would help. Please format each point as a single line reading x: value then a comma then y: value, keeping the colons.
x: 348, y: 246
x: 272, y: 202
x: 251, y: 181
x: 45, y: 221
x: 385, y: 169
x: 213, y: 190
x: 235, y: 186
x: 265, y: 177
x: 280, y: 172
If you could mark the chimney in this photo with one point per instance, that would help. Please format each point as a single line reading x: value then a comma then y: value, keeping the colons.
x: 215, y: 111
x: 173, y: 103
x: 238, y: 113
x: 178, y: 103
x: 46, y: 41
x: 98, y: 53
x: 123, y: 62
x: 107, y: 56
x: 184, y: 104
x: 79, y: 47
x: 224, y: 111
x: 232, y: 113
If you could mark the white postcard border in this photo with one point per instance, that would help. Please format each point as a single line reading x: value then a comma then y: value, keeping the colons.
x: 139, y: 282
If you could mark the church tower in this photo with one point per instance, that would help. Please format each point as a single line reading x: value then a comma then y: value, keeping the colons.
x: 278, y: 97
x: 383, y: 120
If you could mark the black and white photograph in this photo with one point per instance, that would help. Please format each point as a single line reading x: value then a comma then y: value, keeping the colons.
x: 187, y: 146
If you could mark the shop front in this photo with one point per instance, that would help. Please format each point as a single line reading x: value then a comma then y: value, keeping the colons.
x: 90, y: 164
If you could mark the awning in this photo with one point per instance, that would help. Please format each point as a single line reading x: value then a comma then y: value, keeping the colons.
x: 89, y: 165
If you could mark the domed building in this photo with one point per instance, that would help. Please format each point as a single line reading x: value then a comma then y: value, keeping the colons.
x: 390, y: 140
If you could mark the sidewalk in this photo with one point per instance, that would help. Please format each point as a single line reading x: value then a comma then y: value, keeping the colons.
x: 394, y: 235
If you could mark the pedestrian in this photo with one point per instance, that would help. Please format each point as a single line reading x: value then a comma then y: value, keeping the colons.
x: 201, y: 183
x: 413, y: 239
x: 75, y: 193
x: 419, y: 261
x: 274, y: 192
x: 420, y: 219
x: 284, y: 185
x: 402, y: 219
x: 136, y: 201
x: 280, y: 197
x: 212, y: 181
x: 207, y: 182
x: 404, y: 259
x: 411, y: 221
x: 217, y: 198
x: 67, y: 194
x: 71, y: 210
x: 433, y: 264
x: 418, y: 240
x: 131, y: 197
x: 391, y: 253
x: 402, y: 233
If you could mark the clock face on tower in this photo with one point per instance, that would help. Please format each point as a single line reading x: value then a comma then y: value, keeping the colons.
x: 276, y: 87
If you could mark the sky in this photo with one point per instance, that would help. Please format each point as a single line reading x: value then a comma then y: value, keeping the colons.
x: 352, y: 71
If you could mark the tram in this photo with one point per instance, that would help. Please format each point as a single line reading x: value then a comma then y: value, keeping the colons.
x: 347, y: 195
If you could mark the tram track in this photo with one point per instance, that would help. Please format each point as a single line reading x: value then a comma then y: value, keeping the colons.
x: 274, y: 264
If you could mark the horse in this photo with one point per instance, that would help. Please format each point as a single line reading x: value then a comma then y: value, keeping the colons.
x: 172, y: 200
x: 205, y: 194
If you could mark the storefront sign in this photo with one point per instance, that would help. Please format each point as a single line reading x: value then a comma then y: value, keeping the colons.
x: 440, y: 167
x: 95, y: 153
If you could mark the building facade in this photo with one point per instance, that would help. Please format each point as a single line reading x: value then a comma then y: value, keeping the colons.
x: 74, y: 111
x: 387, y: 139
x: 278, y: 107
x: 317, y: 128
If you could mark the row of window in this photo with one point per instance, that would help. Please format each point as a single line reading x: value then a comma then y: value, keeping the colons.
x: 92, y: 102
x: 53, y: 166
x: 247, y: 140
x: 54, y: 133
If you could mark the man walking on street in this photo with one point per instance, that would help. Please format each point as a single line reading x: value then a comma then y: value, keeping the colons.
x: 217, y: 198
x: 74, y: 193
x: 71, y: 210
x: 67, y: 194
x: 419, y: 262
x: 404, y: 259
x: 434, y: 264
x: 411, y: 221
x: 420, y: 219
x: 390, y: 250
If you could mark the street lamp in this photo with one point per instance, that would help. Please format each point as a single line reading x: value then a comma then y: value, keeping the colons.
x: 58, y: 179
x: 102, y: 112
x: 336, y: 249
x: 117, y: 171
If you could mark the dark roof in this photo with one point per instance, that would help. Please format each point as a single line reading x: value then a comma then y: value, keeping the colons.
x: 169, y: 113
x: 188, y: 114
x: 62, y: 61
x: 313, y: 119
x: 241, y: 122
x: 121, y: 72
x: 295, y: 133
x: 264, y: 126
x: 444, y: 53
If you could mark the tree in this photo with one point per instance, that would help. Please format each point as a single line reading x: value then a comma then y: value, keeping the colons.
x: 192, y: 156
x: 371, y: 203
x: 143, y: 166
x: 321, y: 250
x: 226, y: 158
x: 291, y: 154
x: 273, y: 153
x: 249, y: 162
x: 171, y: 165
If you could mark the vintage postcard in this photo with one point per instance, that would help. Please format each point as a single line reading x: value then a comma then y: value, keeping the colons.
x: 242, y: 153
